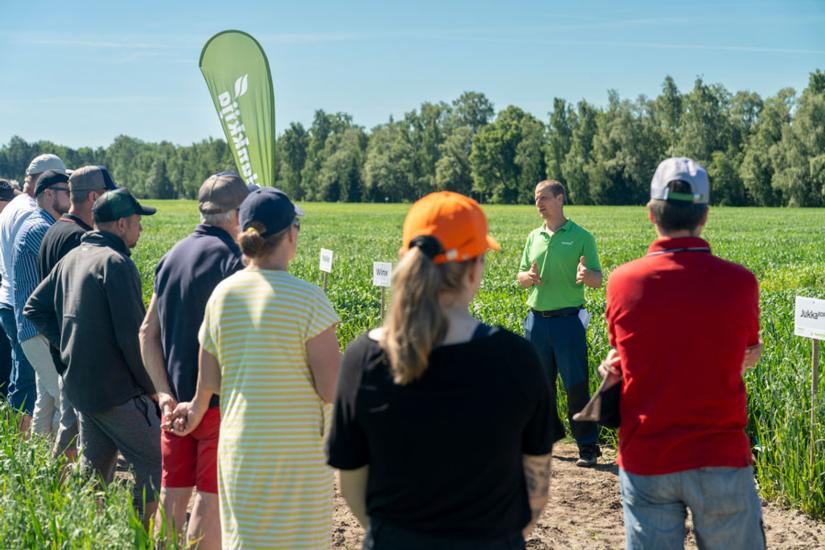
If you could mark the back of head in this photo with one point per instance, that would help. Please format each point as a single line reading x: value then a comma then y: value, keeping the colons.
x: 116, y: 205
x: 7, y: 191
x: 220, y: 196
x: 265, y: 216
x: 87, y: 180
x: 679, y: 195
x: 444, y: 233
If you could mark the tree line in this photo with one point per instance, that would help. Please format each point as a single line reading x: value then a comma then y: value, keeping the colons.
x: 758, y: 151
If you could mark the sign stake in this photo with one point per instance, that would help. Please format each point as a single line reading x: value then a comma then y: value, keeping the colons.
x: 814, y: 388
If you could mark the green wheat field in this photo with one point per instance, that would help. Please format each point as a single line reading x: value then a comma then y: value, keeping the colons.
x: 785, y: 248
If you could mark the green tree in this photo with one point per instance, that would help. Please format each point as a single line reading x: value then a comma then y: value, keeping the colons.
x: 293, y: 154
x: 389, y: 168
x: 507, y: 157
x: 453, y: 171
x: 472, y: 109
x: 559, y: 138
x: 580, y: 155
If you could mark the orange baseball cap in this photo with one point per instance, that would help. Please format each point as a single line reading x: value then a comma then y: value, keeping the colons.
x: 455, y: 221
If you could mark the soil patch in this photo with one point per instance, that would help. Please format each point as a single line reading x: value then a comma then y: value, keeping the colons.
x: 585, y: 511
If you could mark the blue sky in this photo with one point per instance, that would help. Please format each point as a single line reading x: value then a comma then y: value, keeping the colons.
x: 80, y: 73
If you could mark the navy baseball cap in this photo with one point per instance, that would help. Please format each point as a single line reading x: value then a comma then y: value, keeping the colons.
x: 48, y: 179
x: 7, y: 192
x: 117, y: 204
x: 269, y: 207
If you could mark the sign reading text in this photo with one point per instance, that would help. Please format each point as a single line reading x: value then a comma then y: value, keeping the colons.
x: 381, y: 273
x: 809, y: 318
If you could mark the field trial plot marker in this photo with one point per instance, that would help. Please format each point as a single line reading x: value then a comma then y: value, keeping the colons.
x: 326, y: 265
x: 809, y: 321
x: 382, y: 276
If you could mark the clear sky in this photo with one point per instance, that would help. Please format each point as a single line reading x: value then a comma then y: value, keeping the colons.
x: 82, y: 72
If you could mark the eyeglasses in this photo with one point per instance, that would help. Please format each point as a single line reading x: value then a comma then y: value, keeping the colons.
x: 297, y: 224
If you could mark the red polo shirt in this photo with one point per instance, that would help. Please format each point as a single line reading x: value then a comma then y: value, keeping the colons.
x: 681, y: 320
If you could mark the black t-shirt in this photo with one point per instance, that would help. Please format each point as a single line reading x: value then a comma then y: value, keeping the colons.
x: 184, y: 280
x: 62, y: 237
x: 445, y: 451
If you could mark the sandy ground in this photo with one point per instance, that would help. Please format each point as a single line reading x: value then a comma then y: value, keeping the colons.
x: 598, y: 524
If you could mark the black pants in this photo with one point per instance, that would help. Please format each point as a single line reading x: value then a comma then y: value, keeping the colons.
x: 381, y: 536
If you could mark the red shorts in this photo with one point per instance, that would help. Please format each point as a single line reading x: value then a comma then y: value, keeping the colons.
x: 192, y: 460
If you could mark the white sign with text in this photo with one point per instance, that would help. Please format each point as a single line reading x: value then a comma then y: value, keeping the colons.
x: 809, y: 318
x: 326, y: 260
x: 381, y: 273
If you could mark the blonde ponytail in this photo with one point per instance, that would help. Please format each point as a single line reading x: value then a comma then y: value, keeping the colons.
x: 415, y: 323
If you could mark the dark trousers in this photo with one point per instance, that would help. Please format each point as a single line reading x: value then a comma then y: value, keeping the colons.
x: 561, y: 343
x: 381, y: 536
x: 5, y: 363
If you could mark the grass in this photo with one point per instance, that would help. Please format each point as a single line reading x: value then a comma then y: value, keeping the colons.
x: 784, y: 248
x: 46, y: 503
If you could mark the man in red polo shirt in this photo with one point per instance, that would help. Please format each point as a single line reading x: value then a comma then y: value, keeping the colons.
x: 684, y: 325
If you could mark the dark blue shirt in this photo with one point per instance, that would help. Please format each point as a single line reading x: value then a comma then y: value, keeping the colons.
x: 184, y: 280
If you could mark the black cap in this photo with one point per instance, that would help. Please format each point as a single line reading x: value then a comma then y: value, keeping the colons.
x: 49, y: 178
x: 7, y: 192
x: 269, y: 207
x: 117, y: 204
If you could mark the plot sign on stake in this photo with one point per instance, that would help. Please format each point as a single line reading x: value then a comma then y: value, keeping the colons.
x: 326, y: 260
x: 326, y: 265
x: 382, y: 277
x: 809, y: 321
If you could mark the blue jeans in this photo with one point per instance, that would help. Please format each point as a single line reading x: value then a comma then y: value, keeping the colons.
x: 5, y: 363
x: 22, y: 384
x: 726, y: 510
x: 561, y: 343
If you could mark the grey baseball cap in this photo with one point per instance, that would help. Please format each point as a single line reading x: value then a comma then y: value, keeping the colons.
x: 44, y: 162
x: 91, y: 178
x: 682, y: 169
x: 222, y: 192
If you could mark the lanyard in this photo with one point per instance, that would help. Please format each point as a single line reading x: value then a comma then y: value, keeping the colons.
x: 685, y: 249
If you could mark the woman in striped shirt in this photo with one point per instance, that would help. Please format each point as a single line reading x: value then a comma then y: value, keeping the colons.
x: 268, y: 346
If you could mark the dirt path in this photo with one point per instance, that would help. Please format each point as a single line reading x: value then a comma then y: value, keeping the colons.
x: 598, y: 523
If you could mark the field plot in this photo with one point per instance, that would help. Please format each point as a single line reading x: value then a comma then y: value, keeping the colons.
x: 785, y: 248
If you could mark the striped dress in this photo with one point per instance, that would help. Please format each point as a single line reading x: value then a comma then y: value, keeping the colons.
x: 274, y: 487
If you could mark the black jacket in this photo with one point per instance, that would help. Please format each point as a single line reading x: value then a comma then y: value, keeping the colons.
x: 90, y: 307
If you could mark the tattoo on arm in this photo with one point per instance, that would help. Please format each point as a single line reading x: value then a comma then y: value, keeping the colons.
x: 537, y: 471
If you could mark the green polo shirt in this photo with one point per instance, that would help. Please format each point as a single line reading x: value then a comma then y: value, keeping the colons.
x: 557, y: 257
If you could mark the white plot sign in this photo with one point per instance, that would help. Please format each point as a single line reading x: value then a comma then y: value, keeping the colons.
x: 381, y: 274
x: 809, y: 318
x: 326, y: 260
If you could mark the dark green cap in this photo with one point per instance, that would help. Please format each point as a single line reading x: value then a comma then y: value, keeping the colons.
x: 117, y: 204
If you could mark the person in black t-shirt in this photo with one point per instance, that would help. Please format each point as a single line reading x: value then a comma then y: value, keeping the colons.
x: 442, y: 429
x: 86, y: 184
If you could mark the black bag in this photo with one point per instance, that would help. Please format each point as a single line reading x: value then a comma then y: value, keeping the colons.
x: 603, y: 407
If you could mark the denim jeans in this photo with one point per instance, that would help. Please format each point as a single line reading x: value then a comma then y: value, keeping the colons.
x: 22, y: 383
x: 726, y: 510
x: 381, y: 536
x: 561, y: 343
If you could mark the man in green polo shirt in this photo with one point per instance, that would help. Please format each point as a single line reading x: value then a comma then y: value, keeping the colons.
x: 559, y: 258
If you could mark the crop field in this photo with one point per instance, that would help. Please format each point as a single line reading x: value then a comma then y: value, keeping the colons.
x: 785, y: 248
